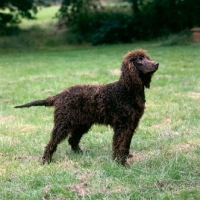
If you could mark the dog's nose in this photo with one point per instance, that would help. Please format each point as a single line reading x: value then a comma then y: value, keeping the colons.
x: 156, y: 64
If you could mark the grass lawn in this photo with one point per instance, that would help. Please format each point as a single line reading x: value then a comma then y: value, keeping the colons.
x: 165, y: 148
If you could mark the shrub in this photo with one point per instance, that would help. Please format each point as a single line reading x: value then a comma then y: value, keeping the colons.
x: 119, y: 23
x: 107, y: 27
x: 95, y: 23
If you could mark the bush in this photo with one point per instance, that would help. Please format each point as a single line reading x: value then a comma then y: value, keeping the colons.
x: 96, y: 24
x: 106, y: 27
x: 12, y: 11
x: 118, y: 23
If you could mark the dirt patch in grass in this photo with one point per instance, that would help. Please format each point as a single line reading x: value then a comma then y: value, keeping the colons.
x: 194, y: 95
x: 80, y: 188
x: 164, y: 128
x: 139, y: 157
x: 89, y: 74
x: 10, y: 140
x: 184, y: 147
x: 194, y: 186
x: 160, y: 76
x: 6, y: 100
x: 165, y: 122
x: 6, y: 119
x: 27, y: 158
x: 47, y: 194
x: 115, y: 72
x: 85, y: 188
x: 24, y: 128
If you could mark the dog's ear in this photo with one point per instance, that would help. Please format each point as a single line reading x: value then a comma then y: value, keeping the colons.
x: 130, y: 75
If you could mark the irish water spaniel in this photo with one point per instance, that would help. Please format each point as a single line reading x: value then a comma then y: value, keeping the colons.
x: 119, y: 104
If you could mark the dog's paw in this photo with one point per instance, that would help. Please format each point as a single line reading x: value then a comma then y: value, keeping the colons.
x: 77, y: 150
x: 130, y: 156
x: 46, y: 159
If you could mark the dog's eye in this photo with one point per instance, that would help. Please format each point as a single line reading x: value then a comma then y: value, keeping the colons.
x: 148, y: 58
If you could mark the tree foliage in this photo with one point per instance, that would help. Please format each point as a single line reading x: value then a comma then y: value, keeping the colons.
x: 165, y: 16
x: 138, y: 19
x: 73, y: 11
x: 95, y: 22
x: 11, y: 11
x: 123, y: 21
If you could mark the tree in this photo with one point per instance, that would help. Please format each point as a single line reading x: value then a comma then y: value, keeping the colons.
x: 11, y: 11
x: 135, y: 7
x: 71, y: 10
x: 142, y: 19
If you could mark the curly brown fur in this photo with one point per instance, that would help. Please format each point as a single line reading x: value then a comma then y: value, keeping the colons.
x: 120, y: 104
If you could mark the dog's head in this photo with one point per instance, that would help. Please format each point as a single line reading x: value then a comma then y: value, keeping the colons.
x: 138, y: 66
x: 141, y: 61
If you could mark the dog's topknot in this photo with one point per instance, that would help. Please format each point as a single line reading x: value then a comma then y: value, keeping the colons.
x: 135, y: 54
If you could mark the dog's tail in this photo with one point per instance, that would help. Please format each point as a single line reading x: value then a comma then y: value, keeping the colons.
x: 46, y: 102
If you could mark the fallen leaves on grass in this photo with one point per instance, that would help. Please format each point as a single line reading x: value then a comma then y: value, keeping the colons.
x: 80, y: 188
x: 84, y: 188
x: 161, y: 183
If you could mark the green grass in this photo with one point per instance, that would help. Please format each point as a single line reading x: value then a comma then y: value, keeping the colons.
x: 165, y: 148
x: 44, y: 16
x: 39, y: 33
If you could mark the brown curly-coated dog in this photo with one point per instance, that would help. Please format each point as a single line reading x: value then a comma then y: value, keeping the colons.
x: 120, y: 104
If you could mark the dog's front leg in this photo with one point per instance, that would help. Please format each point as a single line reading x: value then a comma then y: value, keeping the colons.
x: 121, y: 144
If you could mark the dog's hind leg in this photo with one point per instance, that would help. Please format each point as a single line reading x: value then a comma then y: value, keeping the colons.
x: 75, y: 137
x: 58, y: 134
